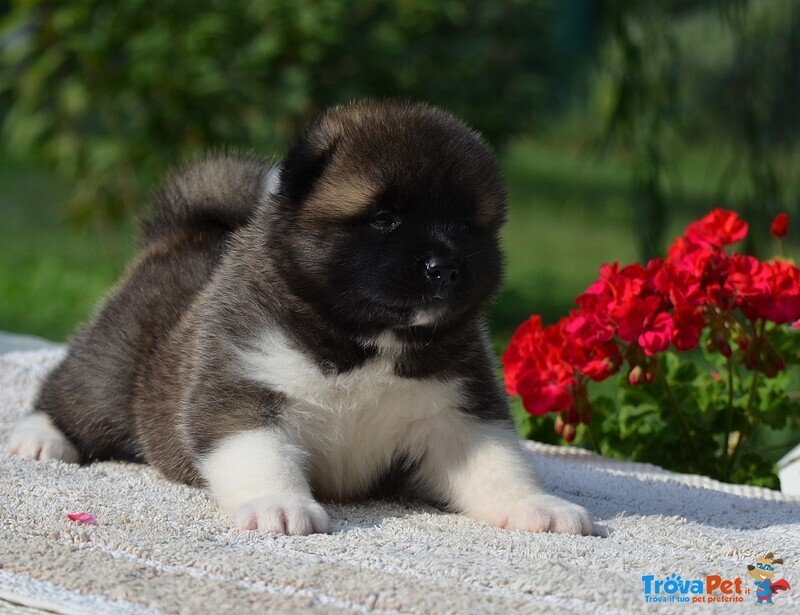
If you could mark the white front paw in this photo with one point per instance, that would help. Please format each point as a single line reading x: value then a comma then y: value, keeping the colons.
x: 35, y: 437
x: 542, y: 513
x: 295, y: 515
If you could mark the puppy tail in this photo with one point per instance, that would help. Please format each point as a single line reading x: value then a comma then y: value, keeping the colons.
x: 219, y: 192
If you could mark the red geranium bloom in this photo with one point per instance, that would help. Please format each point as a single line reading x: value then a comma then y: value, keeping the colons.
x: 670, y: 301
x: 780, y: 226
x: 551, y: 392
x: 697, y: 274
x: 718, y: 229
x: 634, y: 316
x: 780, y: 303
x: 766, y: 290
x: 689, y: 323
x: 535, y: 369
x: 604, y: 361
x: 658, y: 335
x: 588, y: 345
x: 748, y: 277
x: 587, y: 327
x: 521, y: 347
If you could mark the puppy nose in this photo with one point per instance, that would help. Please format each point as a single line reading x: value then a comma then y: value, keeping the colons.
x: 441, y: 271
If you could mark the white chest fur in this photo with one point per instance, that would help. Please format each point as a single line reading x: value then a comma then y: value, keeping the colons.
x: 353, y: 424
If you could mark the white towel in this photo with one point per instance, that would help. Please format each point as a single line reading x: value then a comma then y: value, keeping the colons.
x: 162, y: 547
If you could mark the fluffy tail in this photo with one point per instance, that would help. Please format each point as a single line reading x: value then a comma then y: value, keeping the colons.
x: 219, y: 192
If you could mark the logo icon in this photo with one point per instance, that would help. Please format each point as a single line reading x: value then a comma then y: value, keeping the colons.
x: 762, y: 573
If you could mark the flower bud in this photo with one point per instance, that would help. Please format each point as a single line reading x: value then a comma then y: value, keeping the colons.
x: 636, y: 376
x: 559, y: 425
x: 719, y: 341
x: 752, y: 358
x: 586, y: 414
x: 573, y: 414
x: 769, y: 370
x: 773, y: 362
x: 569, y: 432
x: 649, y: 376
x: 780, y: 226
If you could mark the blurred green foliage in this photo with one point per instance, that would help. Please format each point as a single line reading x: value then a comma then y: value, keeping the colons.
x: 694, y: 71
x: 112, y: 93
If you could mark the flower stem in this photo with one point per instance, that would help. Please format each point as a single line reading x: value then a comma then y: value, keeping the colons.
x: 593, y: 438
x: 743, y: 435
x: 729, y: 415
x: 681, y: 421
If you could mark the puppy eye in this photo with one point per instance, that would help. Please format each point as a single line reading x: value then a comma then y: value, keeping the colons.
x: 385, y: 221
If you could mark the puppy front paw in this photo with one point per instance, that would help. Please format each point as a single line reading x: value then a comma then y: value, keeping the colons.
x: 543, y: 513
x: 296, y: 516
x: 35, y: 437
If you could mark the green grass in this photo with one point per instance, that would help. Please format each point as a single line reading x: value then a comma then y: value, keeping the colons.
x: 51, y: 275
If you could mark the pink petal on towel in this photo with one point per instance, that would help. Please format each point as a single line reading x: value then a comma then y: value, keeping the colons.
x: 83, y: 518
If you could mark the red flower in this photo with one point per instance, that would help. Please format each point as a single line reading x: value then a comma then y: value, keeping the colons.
x: 780, y: 226
x: 766, y: 290
x: 718, y: 229
x: 658, y: 335
x: 543, y: 395
x: 603, y: 362
x: 670, y: 301
x: 535, y: 368
x: 634, y: 315
x: 520, y: 350
x: 748, y: 277
x: 588, y: 327
x: 588, y: 345
x: 688, y: 323
x: 780, y: 301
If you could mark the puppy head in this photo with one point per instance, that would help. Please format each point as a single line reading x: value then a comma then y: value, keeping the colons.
x: 389, y: 216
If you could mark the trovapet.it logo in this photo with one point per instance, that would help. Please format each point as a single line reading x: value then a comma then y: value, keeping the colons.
x: 714, y: 588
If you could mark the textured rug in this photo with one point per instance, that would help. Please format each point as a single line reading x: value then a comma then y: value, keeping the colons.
x: 160, y: 547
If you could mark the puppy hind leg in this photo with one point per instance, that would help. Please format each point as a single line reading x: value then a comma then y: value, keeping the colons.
x: 259, y: 478
x: 35, y: 437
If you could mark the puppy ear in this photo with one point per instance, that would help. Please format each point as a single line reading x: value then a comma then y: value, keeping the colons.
x: 305, y: 163
x: 777, y: 561
x: 750, y: 567
x: 769, y: 555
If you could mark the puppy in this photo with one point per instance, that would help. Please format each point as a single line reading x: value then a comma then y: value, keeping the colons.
x: 302, y: 332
